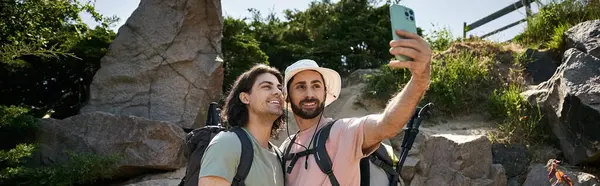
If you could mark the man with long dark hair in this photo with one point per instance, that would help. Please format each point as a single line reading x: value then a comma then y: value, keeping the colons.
x: 255, y: 104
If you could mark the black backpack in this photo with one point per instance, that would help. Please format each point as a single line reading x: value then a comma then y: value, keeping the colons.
x: 381, y: 158
x: 197, y: 141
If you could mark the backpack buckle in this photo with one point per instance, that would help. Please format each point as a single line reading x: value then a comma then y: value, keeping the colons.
x: 329, y: 172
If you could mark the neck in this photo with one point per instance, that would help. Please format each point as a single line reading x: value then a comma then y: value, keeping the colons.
x: 304, y: 124
x: 260, y: 128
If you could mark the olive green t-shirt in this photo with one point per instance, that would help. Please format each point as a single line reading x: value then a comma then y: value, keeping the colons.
x: 222, y: 157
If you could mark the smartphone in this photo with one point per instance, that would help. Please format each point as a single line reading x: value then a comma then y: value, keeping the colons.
x: 402, y: 18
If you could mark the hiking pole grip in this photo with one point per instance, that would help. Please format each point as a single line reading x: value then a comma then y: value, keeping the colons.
x: 212, y: 115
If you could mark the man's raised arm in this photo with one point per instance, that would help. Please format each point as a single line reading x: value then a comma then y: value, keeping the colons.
x: 402, y: 106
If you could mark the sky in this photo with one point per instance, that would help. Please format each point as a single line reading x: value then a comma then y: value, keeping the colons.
x: 429, y: 14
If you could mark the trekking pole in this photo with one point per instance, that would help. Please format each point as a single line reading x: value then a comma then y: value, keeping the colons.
x: 410, y: 133
x: 212, y: 115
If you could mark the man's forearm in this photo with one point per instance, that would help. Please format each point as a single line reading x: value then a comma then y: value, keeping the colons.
x: 400, y: 108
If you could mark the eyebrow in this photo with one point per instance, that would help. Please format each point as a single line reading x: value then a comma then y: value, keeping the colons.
x: 268, y: 82
x: 304, y: 82
x: 316, y: 81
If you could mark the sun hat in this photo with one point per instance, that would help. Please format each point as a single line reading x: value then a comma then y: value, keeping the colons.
x: 333, y: 81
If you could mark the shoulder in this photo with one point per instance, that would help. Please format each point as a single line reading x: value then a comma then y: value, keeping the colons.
x: 354, y: 122
x: 226, y: 141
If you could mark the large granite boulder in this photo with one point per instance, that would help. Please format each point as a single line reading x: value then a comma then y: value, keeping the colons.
x: 570, y: 101
x: 163, y: 63
x: 538, y: 176
x: 447, y: 159
x: 585, y: 36
x: 140, y: 144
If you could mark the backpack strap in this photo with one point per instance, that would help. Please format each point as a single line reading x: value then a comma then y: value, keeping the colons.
x: 321, y: 156
x: 246, y: 157
x: 382, y: 159
x: 365, y: 172
x: 383, y: 155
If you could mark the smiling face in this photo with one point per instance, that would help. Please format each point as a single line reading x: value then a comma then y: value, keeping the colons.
x: 307, y: 94
x: 265, y: 97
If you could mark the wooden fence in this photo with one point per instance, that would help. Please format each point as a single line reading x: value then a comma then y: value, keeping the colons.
x: 508, y: 9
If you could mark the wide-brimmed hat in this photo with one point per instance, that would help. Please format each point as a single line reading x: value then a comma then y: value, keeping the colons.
x: 333, y: 81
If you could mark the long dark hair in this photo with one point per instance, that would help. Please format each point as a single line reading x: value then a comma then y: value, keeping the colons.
x: 235, y: 113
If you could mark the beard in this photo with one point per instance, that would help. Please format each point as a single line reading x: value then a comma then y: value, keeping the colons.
x: 307, y: 114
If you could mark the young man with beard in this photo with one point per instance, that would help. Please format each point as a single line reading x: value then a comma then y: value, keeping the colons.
x: 311, y: 88
x: 255, y: 104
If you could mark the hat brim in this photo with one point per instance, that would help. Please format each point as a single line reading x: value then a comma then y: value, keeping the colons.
x: 333, y: 82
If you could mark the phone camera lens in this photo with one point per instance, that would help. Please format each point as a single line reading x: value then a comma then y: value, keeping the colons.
x: 411, y: 12
x: 412, y: 18
x: 406, y: 13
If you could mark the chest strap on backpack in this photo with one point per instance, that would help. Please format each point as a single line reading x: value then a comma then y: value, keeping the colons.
x: 293, y: 157
x: 319, y: 150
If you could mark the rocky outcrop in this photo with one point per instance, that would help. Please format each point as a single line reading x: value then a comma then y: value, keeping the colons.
x: 141, y: 144
x: 457, y: 160
x: 163, y: 63
x: 570, y: 101
x: 585, y: 37
x: 538, y: 176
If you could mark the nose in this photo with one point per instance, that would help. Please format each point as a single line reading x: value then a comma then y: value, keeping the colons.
x: 277, y: 92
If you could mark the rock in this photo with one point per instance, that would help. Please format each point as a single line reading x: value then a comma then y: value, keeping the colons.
x: 514, y: 158
x: 570, y: 101
x: 457, y: 160
x: 358, y: 77
x: 540, y: 65
x: 162, y: 64
x: 396, y: 143
x: 141, y: 144
x: 585, y: 36
x: 516, y: 181
x: 162, y: 179
x: 499, y: 175
x: 541, y: 154
x: 409, y: 168
x: 538, y: 176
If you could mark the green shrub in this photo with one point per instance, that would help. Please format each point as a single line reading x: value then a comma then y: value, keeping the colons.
x: 518, y: 120
x: 440, y: 40
x: 542, y: 28
x: 458, y: 82
x: 557, y: 41
x: 82, y: 169
x: 17, y: 125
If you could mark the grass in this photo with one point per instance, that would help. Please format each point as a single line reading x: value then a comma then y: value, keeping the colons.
x: 517, y: 120
x: 546, y: 29
x: 462, y: 77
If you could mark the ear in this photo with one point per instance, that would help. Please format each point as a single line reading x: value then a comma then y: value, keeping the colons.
x: 244, y: 98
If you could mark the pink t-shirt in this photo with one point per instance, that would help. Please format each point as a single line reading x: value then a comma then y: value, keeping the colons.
x: 344, y: 147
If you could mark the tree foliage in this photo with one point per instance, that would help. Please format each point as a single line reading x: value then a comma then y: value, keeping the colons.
x: 46, y: 49
x: 345, y: 36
